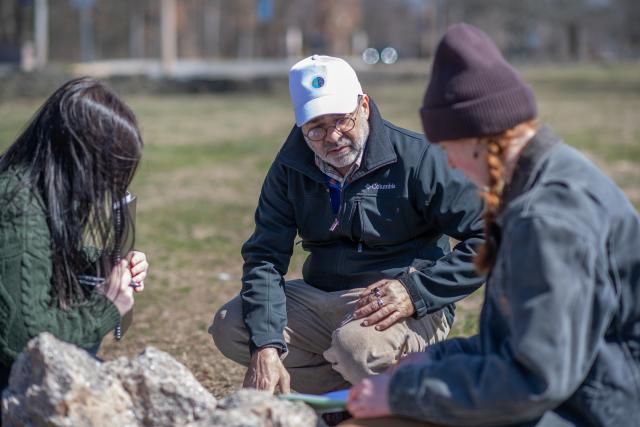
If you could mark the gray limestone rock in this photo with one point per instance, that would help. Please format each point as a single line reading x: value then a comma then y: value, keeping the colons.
x: 55, y: 384
x: 245, y: 406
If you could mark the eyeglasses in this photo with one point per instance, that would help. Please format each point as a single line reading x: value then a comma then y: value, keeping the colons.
x: 342, y: 125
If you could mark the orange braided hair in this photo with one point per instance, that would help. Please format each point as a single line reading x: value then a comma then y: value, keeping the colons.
x: 496, y: 155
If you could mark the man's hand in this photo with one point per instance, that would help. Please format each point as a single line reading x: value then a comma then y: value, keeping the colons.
x: 384, y: 303
x: 266, y: 371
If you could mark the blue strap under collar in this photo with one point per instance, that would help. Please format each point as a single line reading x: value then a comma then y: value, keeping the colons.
x: 335, y: 193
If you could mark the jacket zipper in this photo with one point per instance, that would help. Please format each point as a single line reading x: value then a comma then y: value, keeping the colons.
x: 336, y: 219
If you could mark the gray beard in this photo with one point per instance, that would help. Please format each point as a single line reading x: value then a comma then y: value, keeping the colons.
x: 357, y: 145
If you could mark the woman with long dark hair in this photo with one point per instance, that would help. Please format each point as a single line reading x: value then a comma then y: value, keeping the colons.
x: 559, y: 335
x: 64, y: 226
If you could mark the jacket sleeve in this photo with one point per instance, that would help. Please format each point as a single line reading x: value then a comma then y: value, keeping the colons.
x: 452, y: 346
x: 28, y: 289
x: 543, y: 306
x: 451, y: 204
x: 266, y: 259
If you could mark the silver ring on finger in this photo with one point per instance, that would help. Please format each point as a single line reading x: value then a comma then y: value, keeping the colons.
x: 380, y: 302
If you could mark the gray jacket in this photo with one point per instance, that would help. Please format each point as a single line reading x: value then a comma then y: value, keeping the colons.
x: 395, y: 212
x: 559, y: 340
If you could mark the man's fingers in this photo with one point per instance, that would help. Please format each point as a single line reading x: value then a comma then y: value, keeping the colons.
x: 368, y: 309
x: 379, y: 284
x: 368, y: 289
x: 285, y: 382
x: 374, y: 318
x: 380, y: 288
x: 368, y: 298
x: 374, y: 305
x: 270, y: 386
x: 252, y: 380
x: 388, y: 321
x: 364, y: 300
x: 259, y: 383
x: 248, y: 381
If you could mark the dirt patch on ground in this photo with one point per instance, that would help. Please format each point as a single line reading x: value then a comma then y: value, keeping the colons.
x: 178, y: 324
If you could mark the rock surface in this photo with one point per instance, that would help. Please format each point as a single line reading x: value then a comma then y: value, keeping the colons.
x: 55, y: 384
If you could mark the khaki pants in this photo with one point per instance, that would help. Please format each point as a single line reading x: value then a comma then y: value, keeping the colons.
x: 326, y: 351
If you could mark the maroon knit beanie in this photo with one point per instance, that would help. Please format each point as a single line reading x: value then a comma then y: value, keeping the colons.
x: 473, y: 91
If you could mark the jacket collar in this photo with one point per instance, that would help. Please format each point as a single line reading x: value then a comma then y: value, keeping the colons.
x: 378, y: 150
x: 528, y: 166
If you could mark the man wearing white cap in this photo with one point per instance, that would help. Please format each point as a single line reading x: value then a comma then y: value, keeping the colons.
x: 374, y: 205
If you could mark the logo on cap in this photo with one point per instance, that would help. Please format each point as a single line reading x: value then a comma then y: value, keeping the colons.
x: 317, y: 82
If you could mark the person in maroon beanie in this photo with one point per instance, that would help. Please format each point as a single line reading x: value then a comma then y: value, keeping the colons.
x: 559, y: 334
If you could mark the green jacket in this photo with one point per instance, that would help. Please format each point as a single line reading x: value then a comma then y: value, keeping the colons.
x: 26, y: 303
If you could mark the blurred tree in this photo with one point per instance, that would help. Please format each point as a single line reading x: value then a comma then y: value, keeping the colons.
x: 211, y: 17
x: 335, y: 22
x: 541, y: 29
x: 627, y: 26
x: 13, y: 14
x: 396, y: 24
x: 246, y: 21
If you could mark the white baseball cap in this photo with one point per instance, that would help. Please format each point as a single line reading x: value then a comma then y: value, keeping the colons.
x: 321, y: 85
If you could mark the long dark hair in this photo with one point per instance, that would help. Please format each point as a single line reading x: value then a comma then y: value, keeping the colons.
x: 79, y: 153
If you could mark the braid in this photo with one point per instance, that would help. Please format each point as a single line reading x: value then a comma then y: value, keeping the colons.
x: 496, y: 148
x: 496, y: 156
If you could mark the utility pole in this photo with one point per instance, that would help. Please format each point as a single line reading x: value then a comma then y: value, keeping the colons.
x: 168, y: 36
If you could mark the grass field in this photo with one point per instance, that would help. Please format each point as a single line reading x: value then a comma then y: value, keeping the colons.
x: 206, y: 156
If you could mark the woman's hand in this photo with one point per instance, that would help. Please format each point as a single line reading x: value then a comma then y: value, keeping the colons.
x: 117, y: 288
x: 370, y: 397
x: 384, y: 303
x: 138, y: 266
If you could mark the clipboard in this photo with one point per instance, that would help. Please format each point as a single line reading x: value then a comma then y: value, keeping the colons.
x: 328, y: 402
